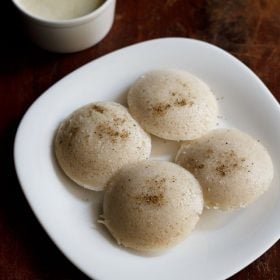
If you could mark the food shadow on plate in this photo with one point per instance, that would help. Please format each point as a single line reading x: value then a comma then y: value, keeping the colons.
x: 122, y: 97
x: 164, y: 149
x: 212, y: 219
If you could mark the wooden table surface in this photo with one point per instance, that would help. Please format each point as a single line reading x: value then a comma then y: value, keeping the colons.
x: 249, y: 29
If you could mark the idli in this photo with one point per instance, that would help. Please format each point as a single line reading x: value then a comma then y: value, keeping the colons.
x: 173, y: 104
x: 97, y: 140
x: 233, y: 168
x: 152, y: 205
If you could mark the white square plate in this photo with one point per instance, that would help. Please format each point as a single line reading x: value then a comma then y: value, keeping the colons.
x: 223, y: 242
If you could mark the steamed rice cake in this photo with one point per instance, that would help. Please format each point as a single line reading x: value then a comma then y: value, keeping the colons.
x: 233, y: 168
x: 173, y: 104
x: 97, y: 140
x: 152, y: 205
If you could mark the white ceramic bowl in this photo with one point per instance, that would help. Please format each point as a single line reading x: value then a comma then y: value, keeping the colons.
x: 71, y: 35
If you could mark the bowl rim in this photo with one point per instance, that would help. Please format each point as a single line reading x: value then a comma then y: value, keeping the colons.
x: 64, y: 22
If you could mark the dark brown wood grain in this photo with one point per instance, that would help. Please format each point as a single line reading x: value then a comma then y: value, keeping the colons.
x: 249, y: 29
